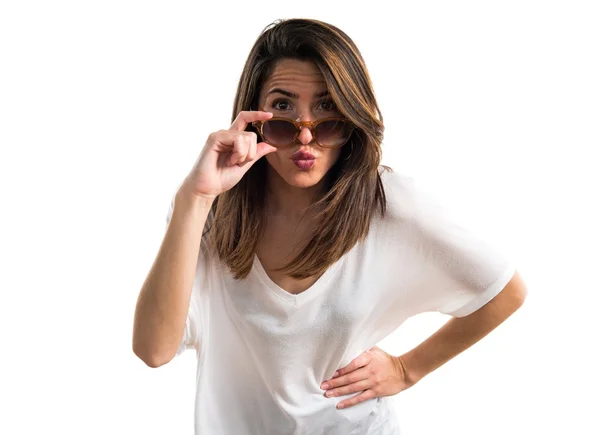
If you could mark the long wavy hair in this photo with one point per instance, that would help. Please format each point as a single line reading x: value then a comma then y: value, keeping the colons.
x: 354, y: 191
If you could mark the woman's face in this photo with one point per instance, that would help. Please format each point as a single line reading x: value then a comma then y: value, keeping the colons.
x: 296, y: 90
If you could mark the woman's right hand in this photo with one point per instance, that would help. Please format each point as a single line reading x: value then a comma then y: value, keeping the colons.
x: 226, y: 157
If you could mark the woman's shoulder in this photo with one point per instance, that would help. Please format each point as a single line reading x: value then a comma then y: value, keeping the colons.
x: 401, y: 192
x: 409, y: 198
x: 395, y: 181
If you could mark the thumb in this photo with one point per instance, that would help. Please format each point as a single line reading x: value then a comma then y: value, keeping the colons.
x: 263, y: 148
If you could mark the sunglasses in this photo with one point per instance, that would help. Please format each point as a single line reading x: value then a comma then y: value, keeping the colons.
x: 283, y: 132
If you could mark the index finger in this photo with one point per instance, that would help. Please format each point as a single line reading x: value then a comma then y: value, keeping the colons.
x: 358, y: 362
x: 245, y: 117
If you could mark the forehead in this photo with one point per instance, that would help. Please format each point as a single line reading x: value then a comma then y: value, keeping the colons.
x: 301, y: 77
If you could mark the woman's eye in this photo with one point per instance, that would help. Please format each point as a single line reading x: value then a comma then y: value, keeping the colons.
x: 281, y: 105
x: 328, y: 105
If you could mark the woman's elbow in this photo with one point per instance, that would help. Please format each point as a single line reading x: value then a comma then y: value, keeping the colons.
x: 151, y: 356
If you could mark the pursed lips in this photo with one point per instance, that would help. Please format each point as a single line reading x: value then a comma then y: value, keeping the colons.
x: 302, y: 155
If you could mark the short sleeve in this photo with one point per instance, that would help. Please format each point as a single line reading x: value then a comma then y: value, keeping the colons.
x: 453, y: 270
x: 193, y: 323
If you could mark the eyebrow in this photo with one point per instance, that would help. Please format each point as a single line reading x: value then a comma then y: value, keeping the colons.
x: 293, y: 95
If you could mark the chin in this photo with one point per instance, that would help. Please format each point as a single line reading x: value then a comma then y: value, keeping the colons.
x: 303, y: 179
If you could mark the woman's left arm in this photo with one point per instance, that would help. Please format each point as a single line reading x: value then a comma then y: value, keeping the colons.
x: 375, y: 373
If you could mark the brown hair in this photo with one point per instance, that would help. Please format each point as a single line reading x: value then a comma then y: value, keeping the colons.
x: 354, y: 188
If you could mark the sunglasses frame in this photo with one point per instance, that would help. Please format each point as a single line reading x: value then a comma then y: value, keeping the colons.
x: 299, y: 125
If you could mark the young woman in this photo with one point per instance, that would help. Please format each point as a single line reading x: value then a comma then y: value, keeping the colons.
x: 290, y: 252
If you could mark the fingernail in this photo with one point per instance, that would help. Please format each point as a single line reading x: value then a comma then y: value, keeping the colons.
x: 325, y: 386
x: 340, y: 405
x: 336, y: 374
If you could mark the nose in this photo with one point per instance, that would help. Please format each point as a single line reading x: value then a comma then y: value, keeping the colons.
x: 305, y: 137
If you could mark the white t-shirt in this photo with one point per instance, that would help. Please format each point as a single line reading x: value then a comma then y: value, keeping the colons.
x: 263, y: 352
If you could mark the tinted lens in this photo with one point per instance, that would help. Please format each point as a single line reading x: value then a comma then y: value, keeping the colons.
x: 333, y: 133
x: 279, y: 133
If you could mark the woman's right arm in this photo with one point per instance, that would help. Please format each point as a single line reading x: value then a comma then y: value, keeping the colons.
x: 164, y: 299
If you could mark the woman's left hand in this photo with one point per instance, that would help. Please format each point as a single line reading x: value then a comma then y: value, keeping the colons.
x: 374, y: 373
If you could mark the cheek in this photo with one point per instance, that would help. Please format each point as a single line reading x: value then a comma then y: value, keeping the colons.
x: 330, y: 157
x: 274, y: 159
x: 334, y: 155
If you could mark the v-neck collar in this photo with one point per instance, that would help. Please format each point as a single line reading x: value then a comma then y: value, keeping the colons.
x: 295, y: 299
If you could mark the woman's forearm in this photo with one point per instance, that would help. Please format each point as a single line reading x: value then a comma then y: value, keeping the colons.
x: 458, y: 334
x: 164, y: 299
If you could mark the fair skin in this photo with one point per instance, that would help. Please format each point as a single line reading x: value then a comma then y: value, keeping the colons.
x: 295, y: 90
x: 374, y: 373
x: 293, y: 189
x: 227, y: 155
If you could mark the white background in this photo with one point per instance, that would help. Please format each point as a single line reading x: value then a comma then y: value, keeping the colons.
x: 104, y: 107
